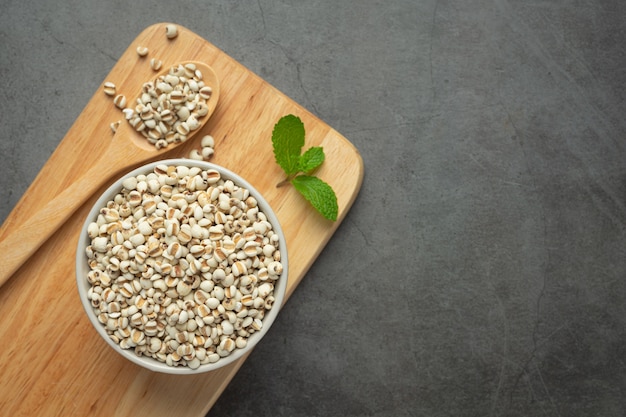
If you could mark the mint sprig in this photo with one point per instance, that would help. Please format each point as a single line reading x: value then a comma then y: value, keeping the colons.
x: 288, y: 141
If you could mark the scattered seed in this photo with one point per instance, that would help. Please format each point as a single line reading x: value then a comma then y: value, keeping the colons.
x: 207, y: 141
x: 142, y: 51
x: 115, y: 125
x: 171, y: 31
x: 156, y: 64
x: 207, y: 153
x: 109, y: 88
x: 195, y: 154
x: 120, y: 101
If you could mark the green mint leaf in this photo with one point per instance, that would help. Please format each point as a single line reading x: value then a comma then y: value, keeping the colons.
x: 288, y: 140
x: 319, y: 194
x: 311, y: 159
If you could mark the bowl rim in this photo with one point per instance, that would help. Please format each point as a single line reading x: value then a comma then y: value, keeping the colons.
x: 147, y: 362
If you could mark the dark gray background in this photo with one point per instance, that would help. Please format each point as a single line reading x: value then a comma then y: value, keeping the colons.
x: 481, y: 271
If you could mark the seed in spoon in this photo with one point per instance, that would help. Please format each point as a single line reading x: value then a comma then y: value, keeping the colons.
x: 171, y: 106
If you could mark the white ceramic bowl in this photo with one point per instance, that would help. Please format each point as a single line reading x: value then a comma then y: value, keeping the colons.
x: 82, y: 269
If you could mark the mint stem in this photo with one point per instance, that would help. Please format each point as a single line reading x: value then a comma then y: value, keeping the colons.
x: 284, y: 182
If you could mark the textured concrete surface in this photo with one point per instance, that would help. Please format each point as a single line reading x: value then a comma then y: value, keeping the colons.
x: 481, y: 271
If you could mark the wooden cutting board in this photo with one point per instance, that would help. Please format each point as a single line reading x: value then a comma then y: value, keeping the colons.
x: 52, y: 361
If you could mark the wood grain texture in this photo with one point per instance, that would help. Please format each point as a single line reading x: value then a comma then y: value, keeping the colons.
x: 53, y: 361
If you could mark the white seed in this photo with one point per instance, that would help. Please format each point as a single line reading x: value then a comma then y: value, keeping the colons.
x: 239, y: 268
x: 207, y: 141
x: 115, y: 125
x: 130, y: 183
x: 183, y: 288
x: 193, y: 86
x: 216, y: 233
x: 137, y: 239
x: 172, y: 80
x: 93, y: 230
x: 182, y: 128
x: 241, y: 342
x: 150, y: 124
x: 109, y: 88
x: 268, y: 250
x: 265, y: 289
x: 195, y: 154
x: 144, y: 228
x: 206, y: 92
x: 183, y: 317
x: 142, y: 51
x: 207, y: 153
x: 192, y: 123
x: 99, y: 244
x: 213, y: 176
x: 183, y: 113
x: 156, y: 64
x: 171, y: 31
x: 160, y: 144
x: 200, y: 297
x: 227, y: 328
x: 190, y: 68
x: 120, y: 101
x: 275, y: 268
x: 128, y: 113
x: 257, y: 324
x: 194, y: 363
x: 207, y: 286
x: 212, y: 303
x: 202, y: 109
x: 227, y: 345
x: 154, y: 186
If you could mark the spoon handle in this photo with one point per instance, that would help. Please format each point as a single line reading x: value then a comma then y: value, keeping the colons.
x: 19, y: 241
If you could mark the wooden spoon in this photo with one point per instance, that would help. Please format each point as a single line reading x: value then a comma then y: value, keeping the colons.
x: 127, y: 148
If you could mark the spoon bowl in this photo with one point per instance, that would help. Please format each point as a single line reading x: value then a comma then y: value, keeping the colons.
x: 126, y: 149
x: 208, y: 77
